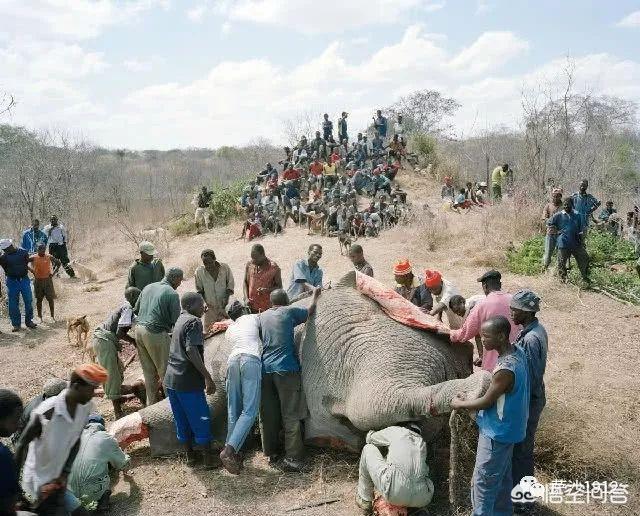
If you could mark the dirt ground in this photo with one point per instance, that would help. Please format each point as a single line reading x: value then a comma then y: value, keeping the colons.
x: 589, y: 431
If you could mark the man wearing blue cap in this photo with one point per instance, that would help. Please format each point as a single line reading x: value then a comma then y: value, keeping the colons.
x: 533, y: 341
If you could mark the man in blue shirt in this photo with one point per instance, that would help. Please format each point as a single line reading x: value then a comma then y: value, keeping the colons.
x: 502, y: 420
x: 584, y: 204
x: 380, y: 124
x: 306, y: 274
x: 15, y: 262
x: 533, y: 341
x: 281, y: 401
x: 32, y: 237
x: 571, y: 231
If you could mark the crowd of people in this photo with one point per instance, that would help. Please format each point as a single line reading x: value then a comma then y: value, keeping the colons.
x: 41, y: 253
x: 318, y: 183
x: 63, y: 453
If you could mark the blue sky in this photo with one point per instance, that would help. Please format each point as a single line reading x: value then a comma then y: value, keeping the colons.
x: 178, y: 73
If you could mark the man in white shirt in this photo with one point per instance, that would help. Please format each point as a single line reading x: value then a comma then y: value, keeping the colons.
x: 244, y: 375
x: 57, y: 238
x: 442, y: 291
x: 52, y: 439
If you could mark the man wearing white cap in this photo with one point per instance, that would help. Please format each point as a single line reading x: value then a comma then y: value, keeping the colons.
x: 14, y: 261
x: 147, y: 269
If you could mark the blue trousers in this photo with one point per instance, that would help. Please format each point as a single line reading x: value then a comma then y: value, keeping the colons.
x: 244, y: 376
x: 491, y: 485
x: 550, y: 243
x: 522, y: 462
x: 191, y: 416
x: 15, y: 288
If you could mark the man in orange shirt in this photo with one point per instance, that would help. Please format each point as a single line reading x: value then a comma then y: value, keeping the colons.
x: 262, y: 276
x: 42, y: 270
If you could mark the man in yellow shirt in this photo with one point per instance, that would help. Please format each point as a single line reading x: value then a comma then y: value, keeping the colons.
x: 330, y: 174
x: 498, y: 174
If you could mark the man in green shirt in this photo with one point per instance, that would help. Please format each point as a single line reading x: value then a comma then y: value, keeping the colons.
x: 158, y: 309
x: 148, y: 269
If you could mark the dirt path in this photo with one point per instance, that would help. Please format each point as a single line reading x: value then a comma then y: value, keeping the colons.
x: 590, y: 427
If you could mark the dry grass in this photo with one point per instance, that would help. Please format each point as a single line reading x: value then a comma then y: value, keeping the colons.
x: 590, y: 427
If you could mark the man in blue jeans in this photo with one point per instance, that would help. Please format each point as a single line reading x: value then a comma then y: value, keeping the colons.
x: 15, y: 261
x: 244, y: 374
x: 502, y: 421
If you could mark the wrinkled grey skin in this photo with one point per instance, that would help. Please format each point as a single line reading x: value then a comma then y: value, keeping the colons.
x: 361, y: 371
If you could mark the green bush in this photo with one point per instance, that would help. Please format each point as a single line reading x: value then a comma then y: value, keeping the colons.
x: 183, y: 225
x: 528, y: 259
x: 425, y: 147
x: 604, y: 250
x: 224, y: 200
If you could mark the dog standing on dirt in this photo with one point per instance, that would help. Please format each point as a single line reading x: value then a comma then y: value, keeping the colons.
x: 344, y: 241
x: 83, y: 272
x: 79, y: 326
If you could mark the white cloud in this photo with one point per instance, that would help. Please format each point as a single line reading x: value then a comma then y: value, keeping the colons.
x: 226, y: 28
x: 632, y: 20
x: 142, y: 65
x: 490, y: 50
x: 353, y: 14
x: 75, y: 19
x: 196, y: 14
x: 483, y: 6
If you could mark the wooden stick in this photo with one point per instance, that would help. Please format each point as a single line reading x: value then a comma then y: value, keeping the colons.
x: 317, y: 503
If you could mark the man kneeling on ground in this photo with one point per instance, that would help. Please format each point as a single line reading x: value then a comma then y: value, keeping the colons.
x: 402, y: 477
x: 281, y: 405
x: 187, y: 379
x: 89, y: 479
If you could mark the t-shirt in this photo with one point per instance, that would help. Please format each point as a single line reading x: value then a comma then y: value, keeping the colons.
x: 549, y: 211
x: 9, y: 486
x: 460, y: 198
x: 506, y: 420
x: 330, y: 170
x: 584, y: 205
x: 41, y: 266
x: 279, y: 352
x: 56, y: 234
x: 142, y: 274
x: 497, y: 176
x: 302, y: 271
x: 244, y: 336
x: 291, y: 174
x: 15, y: 263
x: 263, y: 276
x: 447, y: 292
x: 569, y: 227
x: 316, y: 168
x: 121, y: 318
x: 181, y: 374
x: 365, y: 268
x: 158, y: 307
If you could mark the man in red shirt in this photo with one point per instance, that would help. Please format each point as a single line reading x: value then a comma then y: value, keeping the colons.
x: 316, y: 167
x: 290, y: 173
x: 261, y: 277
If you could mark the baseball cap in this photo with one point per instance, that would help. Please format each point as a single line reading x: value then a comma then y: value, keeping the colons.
x: 492, y: 274
x: 147, y: 248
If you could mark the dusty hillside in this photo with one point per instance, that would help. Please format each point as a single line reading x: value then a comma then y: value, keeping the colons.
x: 590, y: 429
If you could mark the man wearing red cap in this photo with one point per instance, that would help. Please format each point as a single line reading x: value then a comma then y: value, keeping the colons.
x: 52, y: 439
x: 442, y: 291
x: 410, y: 287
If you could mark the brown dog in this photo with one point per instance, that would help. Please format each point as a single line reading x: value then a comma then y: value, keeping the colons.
x: 344, y: 240
x: 80, y: 327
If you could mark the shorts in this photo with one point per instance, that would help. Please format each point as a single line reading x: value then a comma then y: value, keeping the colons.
x: 43, y: 288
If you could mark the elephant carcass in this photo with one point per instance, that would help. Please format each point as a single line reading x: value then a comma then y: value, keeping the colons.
x: 361, y: 370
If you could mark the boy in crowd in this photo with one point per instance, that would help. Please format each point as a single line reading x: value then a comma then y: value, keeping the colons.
x: 42, y: 270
